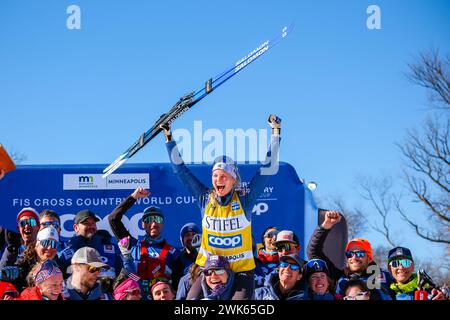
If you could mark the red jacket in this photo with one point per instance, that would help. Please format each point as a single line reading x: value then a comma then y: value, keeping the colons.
x: 33, y: 293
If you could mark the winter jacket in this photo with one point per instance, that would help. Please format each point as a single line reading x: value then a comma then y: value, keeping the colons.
x: 154, y: 246
x: 266, y: 263
x: 271, y: 290
x: 70, y: 293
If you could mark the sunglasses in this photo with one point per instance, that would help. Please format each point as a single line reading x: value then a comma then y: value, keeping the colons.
x: 49, y: 243
x: 286, y: 247
x: 92, y: 269
x: 50, y: 223
x: 358, y: 254
x: 294, y: 267
x: 216, y: 271
x: 150, y: 219
x: 27, y: 222
x: 271, y: 234
x: 358, y: 296
x: 406, y: 263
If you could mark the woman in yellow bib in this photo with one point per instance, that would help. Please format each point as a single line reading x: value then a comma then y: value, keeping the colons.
x: 227, y: 211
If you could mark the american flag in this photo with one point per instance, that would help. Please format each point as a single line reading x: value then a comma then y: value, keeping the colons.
x: 134, y: 277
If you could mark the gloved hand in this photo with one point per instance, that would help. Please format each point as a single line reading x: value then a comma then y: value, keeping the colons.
x: 167, y: 132
x: 9, y: 273
x: 275, y: 124
x: 13, y: 242
x: 125, y: 247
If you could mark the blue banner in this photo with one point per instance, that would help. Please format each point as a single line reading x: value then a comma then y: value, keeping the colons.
x: 285, y: 203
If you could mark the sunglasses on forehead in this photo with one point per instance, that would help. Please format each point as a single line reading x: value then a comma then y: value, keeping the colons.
x: 49, y: 243
x: 216, y: 271
x: 50, y: 223
x: 150, y: 219
x: 27, y: 222
x: 294, y: 267
x: 358, y: 254
x: 406, y: 263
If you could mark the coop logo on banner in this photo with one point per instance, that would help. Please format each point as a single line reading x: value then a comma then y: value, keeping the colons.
x: 88, y: 181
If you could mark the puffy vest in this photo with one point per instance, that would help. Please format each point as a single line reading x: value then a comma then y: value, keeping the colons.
x: 152, y: 268
x: 226, y: 231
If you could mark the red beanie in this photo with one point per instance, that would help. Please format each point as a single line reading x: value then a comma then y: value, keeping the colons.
x: 363, y: 244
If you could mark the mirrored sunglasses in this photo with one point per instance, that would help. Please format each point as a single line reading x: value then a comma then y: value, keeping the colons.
x: 50, y: 223
x: 150, y: 219
x: 272, y: 234
x: 358, y: 296
x: 49, y: 243
x: 216, y: 271
x: 94, y: 269
x: 27, y: 222
x: 358, y: 254
x: 406, y: 263
x: 286, y: 246
x: 293, y: 266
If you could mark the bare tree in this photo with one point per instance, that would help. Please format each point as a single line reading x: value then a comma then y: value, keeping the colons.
x: 380, y: 196
x: 426, y: 153
x: 433, y: 72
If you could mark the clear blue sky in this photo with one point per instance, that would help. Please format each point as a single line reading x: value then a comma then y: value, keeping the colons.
x: 83, y: 96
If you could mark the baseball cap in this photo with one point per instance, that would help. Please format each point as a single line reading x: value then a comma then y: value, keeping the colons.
x: 399, y: 253
x: 84, y: 215
x: 216, y: 262
x: 286, y: 236
x: 89, y: 256
x: 292, y: 258
x: 152, y: 211
x: 28, y: 212
x: 48, y: 233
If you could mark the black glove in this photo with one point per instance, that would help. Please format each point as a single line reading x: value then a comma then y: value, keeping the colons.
x: 13, y: 241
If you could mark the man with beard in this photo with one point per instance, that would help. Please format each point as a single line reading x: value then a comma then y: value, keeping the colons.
x: 86, y: 265
x: 87, y: 236
x: 151, y: 257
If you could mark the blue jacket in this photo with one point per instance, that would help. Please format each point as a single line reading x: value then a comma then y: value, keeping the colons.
x: 108, y: 251
x: 183, y: 287
x: 270, y: 290
x: 69, y: 292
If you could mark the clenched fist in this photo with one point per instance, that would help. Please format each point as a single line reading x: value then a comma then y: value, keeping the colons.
x: 331, y: 218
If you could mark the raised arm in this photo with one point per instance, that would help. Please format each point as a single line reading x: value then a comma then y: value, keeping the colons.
x: 115, y: 217
x: 315, y: 245
x: 270, y: 165
x: 195, y: 187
